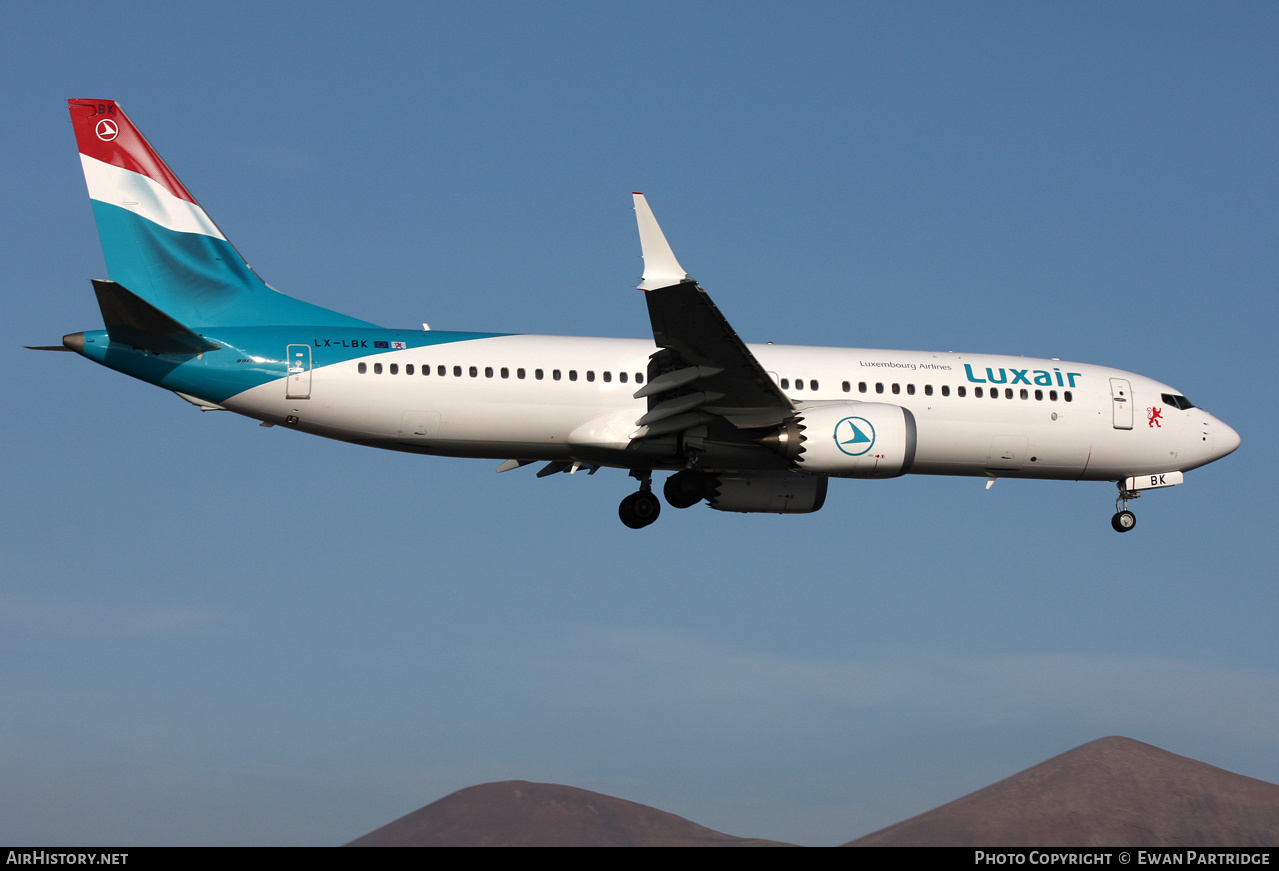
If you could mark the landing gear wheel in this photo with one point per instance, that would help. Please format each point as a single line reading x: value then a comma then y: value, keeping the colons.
x: 685, y: 489
x: 639, y: 509
x: 1123, y: 521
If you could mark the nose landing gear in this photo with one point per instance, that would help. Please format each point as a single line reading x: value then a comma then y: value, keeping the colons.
x: 1124, y: 519
x: 640, y: 509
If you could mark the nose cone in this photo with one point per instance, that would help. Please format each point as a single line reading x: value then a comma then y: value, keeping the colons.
x: 1224, y: 439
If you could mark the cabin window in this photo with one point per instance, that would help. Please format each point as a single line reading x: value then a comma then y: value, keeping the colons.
x: 519, y: 373
x: 475, y: 372
x: 910, y: 389
x: 897, y: 388
x: 977, y: 391
x: 590, y: 374
x: 639, y: 377
x: 537, y: 373
x: 962, y: 390
x: 457, y: 371
x: 861, y: 386
x: 799, y: 383
x: 395, y: 368
x: 1068, y: 396
x: 572, y: 375
x: 847, y: 387
x: 1052, y: 395
x: 408, y: 368
x: 1008, y: 393
x: 363, y: 368
x: 608, y: 376
x: 1039, y: 395
x: 377, y: 368
x: 621, y: 376
x: 1025, y: 394
x: 506, y: 373
x: 441, y: 371
x: 945, y: 390
x: 786, y: 384
x: 555, y: 374
x: 812, y: 385
x: 928, y: 390
x: 879, y: 387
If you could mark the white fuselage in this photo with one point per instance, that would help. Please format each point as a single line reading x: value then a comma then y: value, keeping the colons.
x: 976, y: 414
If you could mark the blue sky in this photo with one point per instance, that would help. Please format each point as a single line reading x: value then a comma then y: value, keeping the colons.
x: 214, y: 633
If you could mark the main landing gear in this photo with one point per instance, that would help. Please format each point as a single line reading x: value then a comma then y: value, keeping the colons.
x: 686, y: 488
x: 682, y: 490
x: 640, y: 509
x: 1124, y: 519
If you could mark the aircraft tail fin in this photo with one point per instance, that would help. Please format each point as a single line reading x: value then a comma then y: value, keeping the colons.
x: 159, y: 242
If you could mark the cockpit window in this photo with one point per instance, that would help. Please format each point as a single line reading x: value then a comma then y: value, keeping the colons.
x: 1177, y: 401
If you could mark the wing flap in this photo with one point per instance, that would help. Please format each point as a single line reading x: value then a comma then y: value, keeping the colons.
x: 675, y: 378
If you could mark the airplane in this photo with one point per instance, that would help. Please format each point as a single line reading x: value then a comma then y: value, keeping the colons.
x: 743, y: 428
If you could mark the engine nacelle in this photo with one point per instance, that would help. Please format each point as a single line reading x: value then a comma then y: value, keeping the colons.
x: 855, y: 440
x: 768, y: 493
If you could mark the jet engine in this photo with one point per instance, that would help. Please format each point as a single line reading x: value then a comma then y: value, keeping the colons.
x: 849, y: 440
x: 767, y: 492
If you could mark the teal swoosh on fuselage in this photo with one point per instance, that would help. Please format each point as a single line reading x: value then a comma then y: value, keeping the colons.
x: 252, y: 356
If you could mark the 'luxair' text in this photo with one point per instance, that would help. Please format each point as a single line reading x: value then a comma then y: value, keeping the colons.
x: 1022, y: 376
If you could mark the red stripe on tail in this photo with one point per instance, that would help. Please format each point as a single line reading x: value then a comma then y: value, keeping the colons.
x: 105, y: 133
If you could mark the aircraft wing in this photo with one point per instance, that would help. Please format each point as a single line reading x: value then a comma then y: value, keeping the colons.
x: 702, y: 369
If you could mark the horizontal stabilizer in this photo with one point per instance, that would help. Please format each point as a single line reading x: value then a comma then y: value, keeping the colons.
x: 131, y: 320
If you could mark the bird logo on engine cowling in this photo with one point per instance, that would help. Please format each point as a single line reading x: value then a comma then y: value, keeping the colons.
x: 854, y: 436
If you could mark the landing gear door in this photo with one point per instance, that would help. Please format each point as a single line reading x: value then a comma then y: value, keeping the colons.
x: 299, y: 378
x: 1121, y: 402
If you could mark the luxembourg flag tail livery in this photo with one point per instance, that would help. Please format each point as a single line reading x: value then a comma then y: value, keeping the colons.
x: 741, y: 427
x: 160, y: 244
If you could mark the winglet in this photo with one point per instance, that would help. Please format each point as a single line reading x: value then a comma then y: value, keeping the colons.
x: 661, y: 269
